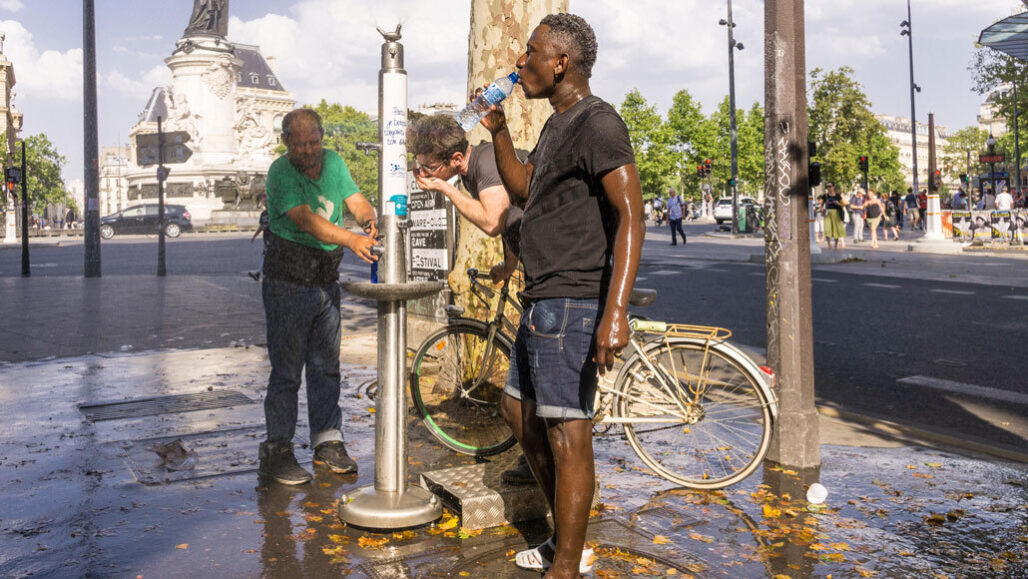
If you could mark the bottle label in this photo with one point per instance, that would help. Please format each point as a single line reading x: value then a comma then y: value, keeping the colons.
x: 494, y: 94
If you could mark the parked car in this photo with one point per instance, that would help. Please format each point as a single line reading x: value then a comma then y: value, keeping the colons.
x: 143, y: 219
x: 723, y: 209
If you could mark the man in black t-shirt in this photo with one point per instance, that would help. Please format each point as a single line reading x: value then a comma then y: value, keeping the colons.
x: 581, y: 240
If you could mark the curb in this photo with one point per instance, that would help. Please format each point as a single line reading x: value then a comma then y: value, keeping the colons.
x: 916, y: 434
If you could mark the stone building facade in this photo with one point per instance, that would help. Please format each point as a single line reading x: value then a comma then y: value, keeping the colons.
x: 10, y: 125
x: 228, y: 100
x: 897, y: 129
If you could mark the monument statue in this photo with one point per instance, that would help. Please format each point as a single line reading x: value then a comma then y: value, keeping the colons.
x: 210, y: 17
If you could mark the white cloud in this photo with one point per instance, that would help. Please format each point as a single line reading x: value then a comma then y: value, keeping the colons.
x: 141, y: 87
x: 11, y: 5
x: 50, y: 74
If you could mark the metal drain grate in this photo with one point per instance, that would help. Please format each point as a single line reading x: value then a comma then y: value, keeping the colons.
x: 162, y: 405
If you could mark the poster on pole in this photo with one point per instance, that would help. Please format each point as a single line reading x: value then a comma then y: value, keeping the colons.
x: 1001, y: 224
x: 429, y: 256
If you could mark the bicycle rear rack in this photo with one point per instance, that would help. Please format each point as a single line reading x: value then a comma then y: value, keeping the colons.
x: 706, y: 333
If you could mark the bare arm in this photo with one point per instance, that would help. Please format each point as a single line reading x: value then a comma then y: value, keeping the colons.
x: 488, y: 212
x: 323, y: 230
x: 515, y: 175
x: 624, y: 193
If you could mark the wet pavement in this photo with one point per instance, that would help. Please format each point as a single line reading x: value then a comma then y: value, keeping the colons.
x: 87, y: 496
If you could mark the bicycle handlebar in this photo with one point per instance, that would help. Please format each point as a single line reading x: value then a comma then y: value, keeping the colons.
x: 473, y: 273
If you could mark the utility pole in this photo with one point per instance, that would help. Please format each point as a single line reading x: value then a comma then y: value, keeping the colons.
x: 908, y: 31
x: 790, y: 343
x: 734, y: 181
x: 1017, y: 140
x: 161, y: 176
x: 91, y: 233
x: 26, y: 270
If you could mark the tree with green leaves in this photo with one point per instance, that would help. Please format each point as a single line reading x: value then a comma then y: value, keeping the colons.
x: 652, y: 140
x: 751, y: 149
x: 43, y: 169
x: 693, y: 138
x: 960, y: 154
x: 995, y: 71
x: 844, y: 128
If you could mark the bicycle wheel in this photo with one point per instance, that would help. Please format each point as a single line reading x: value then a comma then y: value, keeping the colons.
x: 457, y: 380
x: 710, y: 441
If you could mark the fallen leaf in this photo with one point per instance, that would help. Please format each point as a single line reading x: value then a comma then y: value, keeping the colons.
x: 866, y: 572
x: 840, y: 546
x: 771, y: 512
x: 466, y: 533
x: 449, y: 521
x: 183, y: 546
x: 372, y: 542
x: 933, y: 464
x: 661, y: 540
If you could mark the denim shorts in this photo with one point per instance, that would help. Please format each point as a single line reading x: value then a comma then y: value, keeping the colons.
x: 552, y: 359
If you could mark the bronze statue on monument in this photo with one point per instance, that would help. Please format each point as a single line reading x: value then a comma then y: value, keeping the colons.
x: 210, y: 17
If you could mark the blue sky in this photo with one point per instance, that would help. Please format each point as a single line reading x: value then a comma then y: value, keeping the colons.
x: 329, y: 49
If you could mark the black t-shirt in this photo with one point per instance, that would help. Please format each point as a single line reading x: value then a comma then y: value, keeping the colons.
x: 567, y: 233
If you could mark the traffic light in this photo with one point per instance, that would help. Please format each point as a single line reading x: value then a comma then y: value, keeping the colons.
x: 814, y: 174
x: 863, y: 163
x: 937, y: 180
x: 13, y: 177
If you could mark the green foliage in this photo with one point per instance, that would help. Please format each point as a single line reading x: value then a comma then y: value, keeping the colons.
x: 43, y: 166
x: 693, y: 138
x: 844, y: 128
x: 751, y: 149
x: 954, y: 158
x: 653, y: 143
x: 991, y: 70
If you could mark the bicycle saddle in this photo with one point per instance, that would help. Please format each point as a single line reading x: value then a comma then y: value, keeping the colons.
x: 642, y: 297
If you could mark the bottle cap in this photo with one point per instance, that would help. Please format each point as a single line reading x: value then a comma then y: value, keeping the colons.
x: 513, y: 77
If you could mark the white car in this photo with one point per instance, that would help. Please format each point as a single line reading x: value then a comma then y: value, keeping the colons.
x: 723, y: 208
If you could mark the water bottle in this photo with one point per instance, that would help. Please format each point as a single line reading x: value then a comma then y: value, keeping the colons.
x: 374, y: 272
x: 478, y: 108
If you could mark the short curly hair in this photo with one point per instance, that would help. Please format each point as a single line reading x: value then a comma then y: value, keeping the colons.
x: 436, y: 136
x: 573, y: 35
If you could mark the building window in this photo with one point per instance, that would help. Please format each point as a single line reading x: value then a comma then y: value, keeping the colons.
x: 239, y: 77
x: 255, y: 78
x: 271, y: 80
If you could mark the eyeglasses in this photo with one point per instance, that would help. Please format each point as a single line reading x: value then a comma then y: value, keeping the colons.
x: 428, y: 169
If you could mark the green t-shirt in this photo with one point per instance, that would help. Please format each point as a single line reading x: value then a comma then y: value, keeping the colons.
x: 288, y: 188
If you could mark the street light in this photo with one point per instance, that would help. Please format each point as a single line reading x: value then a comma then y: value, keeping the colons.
x: 908, y: 32
x: 733, y: 182
x: 991, y: 144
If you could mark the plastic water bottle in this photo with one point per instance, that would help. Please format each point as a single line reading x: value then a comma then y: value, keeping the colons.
x: 478, y: 108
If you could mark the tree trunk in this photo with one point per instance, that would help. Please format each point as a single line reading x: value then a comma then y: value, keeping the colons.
x: 499, y: 32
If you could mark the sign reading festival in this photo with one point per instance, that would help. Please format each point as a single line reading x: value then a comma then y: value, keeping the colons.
x: 428, y: 252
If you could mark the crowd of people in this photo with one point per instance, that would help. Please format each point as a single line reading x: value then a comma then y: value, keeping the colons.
x: 866, y: 211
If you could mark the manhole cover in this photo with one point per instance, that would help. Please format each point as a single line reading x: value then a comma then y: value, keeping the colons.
x: 135, y: 408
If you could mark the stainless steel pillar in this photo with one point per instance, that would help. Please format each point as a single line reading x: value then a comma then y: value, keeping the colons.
x: 391, y: 503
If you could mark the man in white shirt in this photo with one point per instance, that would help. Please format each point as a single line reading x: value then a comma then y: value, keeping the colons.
x: 1004, y: 201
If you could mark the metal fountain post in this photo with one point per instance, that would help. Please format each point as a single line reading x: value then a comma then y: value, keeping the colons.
x: 391, y: 503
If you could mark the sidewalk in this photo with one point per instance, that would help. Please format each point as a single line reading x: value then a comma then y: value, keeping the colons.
x: 85, y: 496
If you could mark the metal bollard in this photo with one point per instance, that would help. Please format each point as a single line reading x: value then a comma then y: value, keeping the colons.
x: 391, y: 503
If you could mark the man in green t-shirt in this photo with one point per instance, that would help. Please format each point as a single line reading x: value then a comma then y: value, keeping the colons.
x: 307, y: 189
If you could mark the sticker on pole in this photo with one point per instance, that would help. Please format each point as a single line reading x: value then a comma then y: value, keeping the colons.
x: 397, y: 205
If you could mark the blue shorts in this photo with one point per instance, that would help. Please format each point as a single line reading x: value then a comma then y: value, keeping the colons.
x: 551, y: 363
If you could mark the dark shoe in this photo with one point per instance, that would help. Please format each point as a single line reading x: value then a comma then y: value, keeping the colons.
x: 256, y: 275
x: 519, y: 474
x: 674, y: 244
x: 279, y: 464
x: 684, y: 241
x: 333, y: 455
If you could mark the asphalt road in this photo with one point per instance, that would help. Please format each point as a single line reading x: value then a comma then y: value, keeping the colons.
x: 906, y: 344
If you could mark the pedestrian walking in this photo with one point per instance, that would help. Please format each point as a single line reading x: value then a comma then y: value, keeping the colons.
x: 648, y: 211
x: 675, y: 212
x: 835, y: 230
x: 1004, y: 201
x: 581, y: 240
x: 819, y: 217
x: 308, y: 188
x: 856, y: 211
x: 910, y: 209
x: 892, y: 217
x: 873, y: 211
x: 262, y: 230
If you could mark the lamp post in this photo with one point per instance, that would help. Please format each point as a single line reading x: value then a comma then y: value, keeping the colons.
x: 732, y: 46
x: 908, y: 32
x: 991, y: 144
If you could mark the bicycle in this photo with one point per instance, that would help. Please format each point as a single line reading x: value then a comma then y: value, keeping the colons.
x: 694, y: 408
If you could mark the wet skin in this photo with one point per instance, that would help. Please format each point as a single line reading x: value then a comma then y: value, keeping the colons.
x: 560, y: 451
